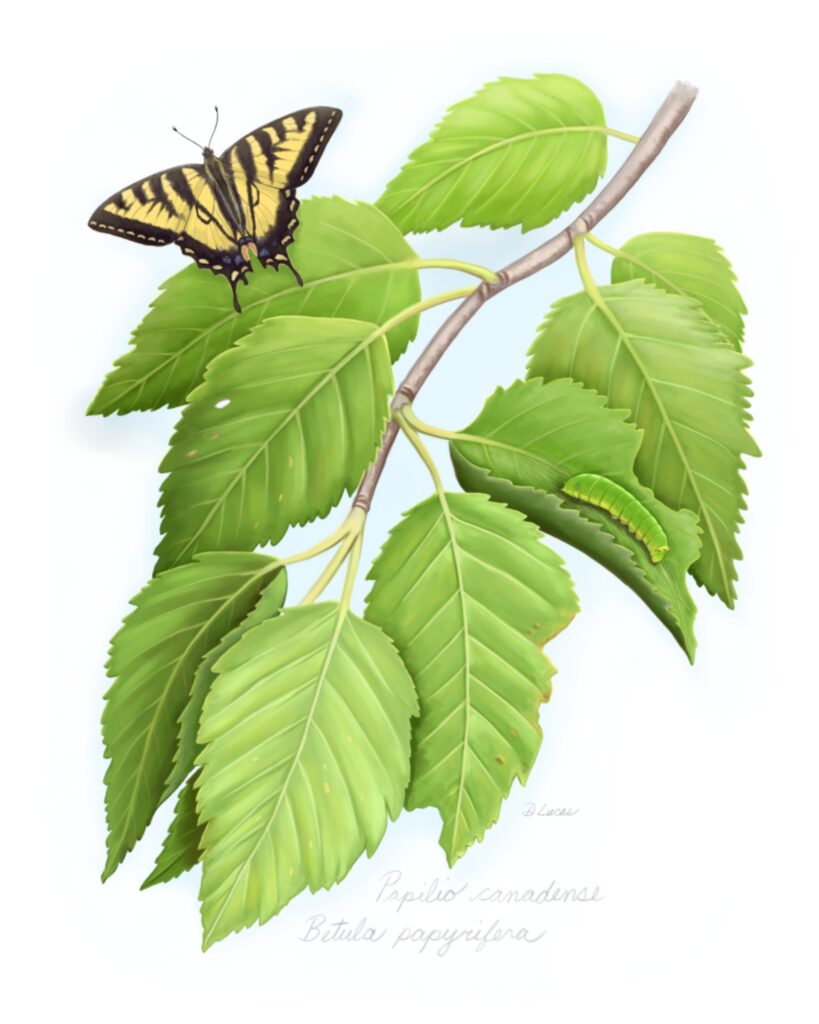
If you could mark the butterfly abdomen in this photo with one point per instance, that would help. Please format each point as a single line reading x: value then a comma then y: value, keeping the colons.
x: 621, y: 505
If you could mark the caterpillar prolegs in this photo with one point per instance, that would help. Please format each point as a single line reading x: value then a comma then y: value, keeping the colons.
x: 622, y: 506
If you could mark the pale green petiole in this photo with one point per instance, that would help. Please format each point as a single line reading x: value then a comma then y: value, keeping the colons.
x: 589, y: 283
x: 475, y: 269
x: 352, y: 524
x: 418, y: 425
x: 352, y: 569
x: 350, y: 539
x: 598, y: 243
x: 422, y: 306
x: 404, y: 421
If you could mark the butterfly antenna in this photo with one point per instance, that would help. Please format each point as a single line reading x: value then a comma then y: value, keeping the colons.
x: 214, y: 127
x: 198, y: 146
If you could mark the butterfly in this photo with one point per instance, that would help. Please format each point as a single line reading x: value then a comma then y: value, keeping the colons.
x: 220, y: 211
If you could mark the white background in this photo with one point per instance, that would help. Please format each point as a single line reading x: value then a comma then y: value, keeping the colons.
x: 696, y: 787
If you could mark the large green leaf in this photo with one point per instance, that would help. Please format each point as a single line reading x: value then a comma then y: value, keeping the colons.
x: 177, y: 618
x: 531, y: 438
x: 518, y: 152
x: 307, y: 729
x: 686, y: 265
x: 656, y: 355
x: 269, y: 604
x: 183, y: 843
x: 469, y: 594
x: 283, y: 423
x: 354, y: 261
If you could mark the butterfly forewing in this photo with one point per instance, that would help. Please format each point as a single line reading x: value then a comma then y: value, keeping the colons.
x: 154, y: 210
x: 283, y: 153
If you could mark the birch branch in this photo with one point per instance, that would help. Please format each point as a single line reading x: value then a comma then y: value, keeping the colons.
x: 665, y: 122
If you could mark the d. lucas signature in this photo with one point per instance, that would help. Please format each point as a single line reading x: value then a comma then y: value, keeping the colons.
x: 533, y: 810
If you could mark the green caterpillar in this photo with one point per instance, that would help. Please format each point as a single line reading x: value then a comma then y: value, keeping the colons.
x: 622, y: 506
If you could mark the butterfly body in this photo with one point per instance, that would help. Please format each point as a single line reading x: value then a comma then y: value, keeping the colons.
x: 229, y: 206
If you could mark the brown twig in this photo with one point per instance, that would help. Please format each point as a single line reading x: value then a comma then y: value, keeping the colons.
x: 665, y: 123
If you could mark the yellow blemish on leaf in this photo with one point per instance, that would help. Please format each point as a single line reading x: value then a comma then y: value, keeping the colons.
x: 191, y: 453
x: 325, y: 787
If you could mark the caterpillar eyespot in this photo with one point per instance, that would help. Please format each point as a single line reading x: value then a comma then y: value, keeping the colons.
x: 622, y: 506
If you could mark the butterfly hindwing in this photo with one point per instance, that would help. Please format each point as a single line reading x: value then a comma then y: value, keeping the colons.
x: 210, y: 240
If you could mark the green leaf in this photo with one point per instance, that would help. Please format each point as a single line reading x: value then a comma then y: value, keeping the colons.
x: 283, y: 423
x: 518, y: 152
x: 269, y: 604
x: 656, y: 355
x: 354, y: 262
x: 686, y: 265
x: 469, y: 594
x: 177, y: 618
x: 181, y: 849
x: 308, y: 732
x: 532, y: 437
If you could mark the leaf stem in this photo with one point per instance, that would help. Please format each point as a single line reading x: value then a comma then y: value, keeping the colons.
x: 598, y: 243
x: 330, y: 571
x: 352, y: 569
x: 663, y: 125
x: 404, y: 421
x: 408, y: 414
x: 484, y: 273
x: 352, y: 524
x: 423, y: 305
x: 589, y: 283
x: 633, y: 139
x: 350, y: 538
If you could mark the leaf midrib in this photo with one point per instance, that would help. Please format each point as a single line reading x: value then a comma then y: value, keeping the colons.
x: 308, y: 724
x: 448, y: 520
x: 513, y: 140
x: 703, y: 509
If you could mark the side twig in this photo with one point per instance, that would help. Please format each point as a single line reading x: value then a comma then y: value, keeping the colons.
x: 665, y: 122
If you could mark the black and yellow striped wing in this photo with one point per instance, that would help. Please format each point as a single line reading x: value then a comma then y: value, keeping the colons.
x: 177, y: 205
x: 154, y: 210
x: 220, y: 211
x: 268, y: 165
